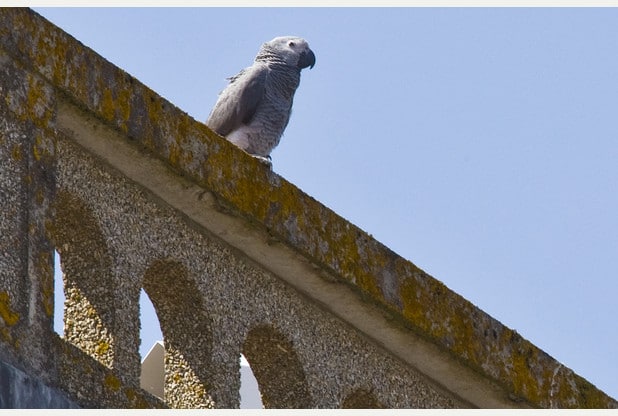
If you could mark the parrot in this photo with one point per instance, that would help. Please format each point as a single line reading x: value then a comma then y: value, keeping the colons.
x: 254, y: 109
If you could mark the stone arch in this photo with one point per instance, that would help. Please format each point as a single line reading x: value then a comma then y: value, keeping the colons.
x: 187, y: 334
x: 89, y: 309
x: 277, y: 369
x: 361, y: 399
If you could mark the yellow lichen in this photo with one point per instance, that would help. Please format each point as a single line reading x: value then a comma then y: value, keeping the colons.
x: 9, y: 317
x: 174, y: 153
x: 41, y: 148
x: 102, y: 348
x: 523, y: 381
x: 37, y: 109
x: 124, y: 103
x: 7, y: 314
x: 136, y: 399
x: 36, y: 152
x: 17, y: 153
x: 5, y: 334
x: 39, y: 196
x: 59, y: 59
x: 413, y: 308
x: 108, y: 108
x: 112, y: 382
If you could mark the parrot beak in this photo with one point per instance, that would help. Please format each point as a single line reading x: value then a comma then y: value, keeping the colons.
x: 306, y: 59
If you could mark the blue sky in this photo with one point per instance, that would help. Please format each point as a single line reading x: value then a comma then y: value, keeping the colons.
x: 479, y: 143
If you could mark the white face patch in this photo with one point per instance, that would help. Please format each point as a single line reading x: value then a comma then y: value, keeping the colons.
x: 289, y: 48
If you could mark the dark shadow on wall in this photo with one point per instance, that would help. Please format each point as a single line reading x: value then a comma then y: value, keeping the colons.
x: 187, y: 334
x: 277, y: 369
x: 87, y: 277
x: 361, y: 399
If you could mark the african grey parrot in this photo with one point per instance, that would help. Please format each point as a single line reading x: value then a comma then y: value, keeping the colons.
x: 255, y: 107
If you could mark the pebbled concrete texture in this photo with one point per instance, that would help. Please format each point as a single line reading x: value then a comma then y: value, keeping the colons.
x: 213, y: 304
x: 133, y: 194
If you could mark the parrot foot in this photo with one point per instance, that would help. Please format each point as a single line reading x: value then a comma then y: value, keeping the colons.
x: 265, y: 160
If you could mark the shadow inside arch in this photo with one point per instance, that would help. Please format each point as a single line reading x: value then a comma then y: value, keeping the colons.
x: 187, y: 334
x: 361, y: 399
x: 277, y: 369
x: 88, y: 279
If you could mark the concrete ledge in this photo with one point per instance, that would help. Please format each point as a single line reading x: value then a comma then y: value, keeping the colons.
x: 333, y: 262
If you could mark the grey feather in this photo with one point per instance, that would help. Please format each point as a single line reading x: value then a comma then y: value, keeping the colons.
x: 239, y: 102
x: 255, y: 107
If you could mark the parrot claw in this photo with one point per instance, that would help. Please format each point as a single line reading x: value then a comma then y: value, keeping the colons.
x: 266, y: 160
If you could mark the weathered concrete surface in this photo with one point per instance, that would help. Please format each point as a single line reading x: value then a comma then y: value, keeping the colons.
x: 20, y: 391
x: 212, y: 300
x: 154, y: 196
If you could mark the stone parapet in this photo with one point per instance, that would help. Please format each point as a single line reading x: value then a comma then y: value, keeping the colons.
x: 133, y: 194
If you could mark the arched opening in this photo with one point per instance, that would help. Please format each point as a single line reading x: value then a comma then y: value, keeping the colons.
x: 361, y: 399
x: 277, y: 368
x: 58, y: 296
x: 250, y: 397
x: 152, y: 349
x: 187, y: 334
x: 150, y: 329
x: 84, y: 268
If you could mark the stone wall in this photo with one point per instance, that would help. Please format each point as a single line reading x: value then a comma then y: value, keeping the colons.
x: 134, y: 194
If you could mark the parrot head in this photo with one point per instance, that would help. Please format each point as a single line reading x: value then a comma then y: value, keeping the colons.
x: 291, y: 50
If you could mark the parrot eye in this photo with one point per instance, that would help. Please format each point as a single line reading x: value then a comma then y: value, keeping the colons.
x: 291, y: 44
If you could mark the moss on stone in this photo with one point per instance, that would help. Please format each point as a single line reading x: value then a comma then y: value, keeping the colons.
x: 10, y: 318
x: 102, y: 348
x: 8, y: 315
x: 112, y: 382
x: 17, y: 153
